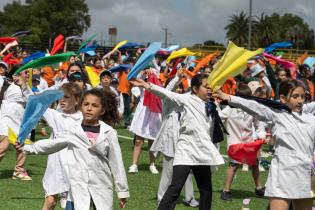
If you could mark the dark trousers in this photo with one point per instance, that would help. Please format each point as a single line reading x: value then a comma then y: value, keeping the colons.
x: 127, y: 110
x: 202, y: 176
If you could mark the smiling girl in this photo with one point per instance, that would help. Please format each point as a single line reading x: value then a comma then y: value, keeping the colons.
x: 289, y: 178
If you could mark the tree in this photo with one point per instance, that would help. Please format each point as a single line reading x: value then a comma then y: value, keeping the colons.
x: 270, y: 29
x: 46, y: 19
x: 264, y: 31
x: 237, y: 29
x: 212, y: 43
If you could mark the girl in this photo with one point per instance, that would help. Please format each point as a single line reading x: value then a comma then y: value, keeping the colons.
x: 94, y: 157
x: 239, y: 126
x: 165, y: 143
x: 145, y: 124
x: 14, y: 95
x: 55, y: 181
x: 289, y: 178
x: 194, y: 149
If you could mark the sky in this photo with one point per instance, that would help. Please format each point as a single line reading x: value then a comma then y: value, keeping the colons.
x: 188, y: 21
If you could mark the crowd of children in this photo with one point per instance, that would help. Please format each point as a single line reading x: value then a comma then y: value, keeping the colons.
x: 179, y: 121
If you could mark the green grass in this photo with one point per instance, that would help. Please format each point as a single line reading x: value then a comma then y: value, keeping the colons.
x: 19, y: 195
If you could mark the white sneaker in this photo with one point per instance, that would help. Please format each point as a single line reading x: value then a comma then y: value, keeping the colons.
x: 261, y: 168
x: 133, y: 169
x: 245, y: 167
x: 192, y: 203
x: 63, y: 200
x: 153, y: 169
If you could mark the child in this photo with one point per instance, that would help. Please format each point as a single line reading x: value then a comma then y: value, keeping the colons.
x: 239, y: 126
x: 94, y: 157
x: 289, y: 178
x: 12, y: 104
x: 55, y: 181
x: 145, y: 124
x: 194, y: 149
x: 165, y: 143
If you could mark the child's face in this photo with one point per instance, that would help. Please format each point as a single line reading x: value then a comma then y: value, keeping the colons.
x: 295, y: 99
x: 74, y: 69
x: 2, y: 71
x: 68, y: 103
x: 282, y: 75
x: 106, y: 80
x: 91, y: 109
x: 204, y: 90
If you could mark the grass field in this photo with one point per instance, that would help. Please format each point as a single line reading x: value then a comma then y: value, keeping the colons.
x: 19, y: 195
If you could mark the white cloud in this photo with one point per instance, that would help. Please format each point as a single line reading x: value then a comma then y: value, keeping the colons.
x: 189, y: 21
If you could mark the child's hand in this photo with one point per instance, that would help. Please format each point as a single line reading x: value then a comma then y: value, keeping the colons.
x: 140, y: 83
x: 18, y: 146
x: 221, y: 95
x: 122, y: 203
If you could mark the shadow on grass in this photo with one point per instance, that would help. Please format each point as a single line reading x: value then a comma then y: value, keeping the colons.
x: 241, y: 194
x: 7, y: 174
x: 25, y: 198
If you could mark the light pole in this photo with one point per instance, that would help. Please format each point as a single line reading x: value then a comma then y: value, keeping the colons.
x: 165, y: 29
x: 250, y: 24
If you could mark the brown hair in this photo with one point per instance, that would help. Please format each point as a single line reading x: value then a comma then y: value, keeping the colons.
x: 74, y: 90
x: 288, y: 86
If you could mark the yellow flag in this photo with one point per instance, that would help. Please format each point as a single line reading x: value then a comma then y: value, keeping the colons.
x: 120, y: 44
x: 13, y: 137
x: 93, y: 77
x: 231, y: 64
x: 30, y: 77
x: 179, y: 53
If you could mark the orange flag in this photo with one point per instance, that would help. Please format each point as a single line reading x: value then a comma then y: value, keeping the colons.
x: 205, y: 61
x: 300, y: 60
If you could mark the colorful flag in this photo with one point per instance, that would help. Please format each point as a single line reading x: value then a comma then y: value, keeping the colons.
x: 93, y: 77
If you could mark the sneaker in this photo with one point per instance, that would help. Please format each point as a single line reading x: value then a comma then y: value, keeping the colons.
x: 261, y: 168
x: 192, y: 203
x: 133, y: 169
x: 21, y: 176
x: 260, y: 192
x: 63, y: 200
x: 245, y: 167
x: 153, y: 169
x: 226, y: 196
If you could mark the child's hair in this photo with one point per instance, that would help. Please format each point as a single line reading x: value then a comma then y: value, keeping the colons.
x: 74, y: 90
x: 260, y: 92
x: 279, y: 69
x: 243, y: 90
x: 288, y: 86
x: 109, y: 105
x: 196, y: 81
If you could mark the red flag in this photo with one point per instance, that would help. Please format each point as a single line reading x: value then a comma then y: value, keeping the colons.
x: 58, y: 44
x: 7, y: 57
x: 6, y: 40
x: 245, y: 153
x: 150, y: 100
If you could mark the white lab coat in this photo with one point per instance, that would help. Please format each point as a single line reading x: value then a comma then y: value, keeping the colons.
x: 12, y: 108
x: 169, y: 131
x: 194, y: 145
x: 92, y: 168
x: 294, y: 133
x: 55, y: 180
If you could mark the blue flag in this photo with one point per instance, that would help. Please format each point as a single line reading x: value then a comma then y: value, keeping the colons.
x: 119, y: 68
x: 34, y: 56
x: 144, y: 59
x: 34, y: 110
x: 276, y: 45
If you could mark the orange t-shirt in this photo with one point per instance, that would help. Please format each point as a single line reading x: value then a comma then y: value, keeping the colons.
x: 229, y: 87
x: 124, y: 85
x: 48, y: 75
x: 97, y: 71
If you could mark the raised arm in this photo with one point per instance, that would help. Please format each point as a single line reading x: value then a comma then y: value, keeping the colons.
x: 253, y: 108
x: 178, y: 99
x: 309, y: 107
x: 45, y: 147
